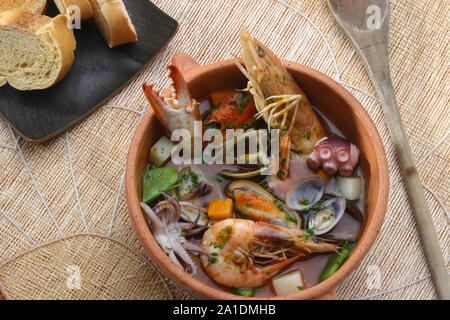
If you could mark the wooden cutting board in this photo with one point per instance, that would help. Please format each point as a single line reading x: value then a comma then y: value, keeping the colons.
x: 97, y: 73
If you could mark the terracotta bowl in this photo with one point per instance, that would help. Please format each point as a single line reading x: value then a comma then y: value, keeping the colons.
x: 333, y: 101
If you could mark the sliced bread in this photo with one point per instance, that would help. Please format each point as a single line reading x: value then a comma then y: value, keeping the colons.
x: 33, y: 6
x: 111, y: 17
x: 35, y: 51
x: 85, y: 6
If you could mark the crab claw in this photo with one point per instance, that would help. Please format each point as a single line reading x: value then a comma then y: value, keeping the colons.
x: 180, y: 111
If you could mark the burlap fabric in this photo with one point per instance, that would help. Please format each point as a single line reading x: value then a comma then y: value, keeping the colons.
x: 62, y: 206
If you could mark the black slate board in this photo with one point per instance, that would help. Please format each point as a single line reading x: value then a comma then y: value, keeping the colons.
x: 96, y: 74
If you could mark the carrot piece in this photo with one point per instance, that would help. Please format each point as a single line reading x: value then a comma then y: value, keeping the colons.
x: 322, y: 173
x: 219, y: 96
x: 220, y: 209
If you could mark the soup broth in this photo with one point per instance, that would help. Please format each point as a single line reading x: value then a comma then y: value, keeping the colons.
x: 312, y: 265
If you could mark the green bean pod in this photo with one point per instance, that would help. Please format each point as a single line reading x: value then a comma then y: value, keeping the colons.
x: 336, y: 261
x: 244, y: 292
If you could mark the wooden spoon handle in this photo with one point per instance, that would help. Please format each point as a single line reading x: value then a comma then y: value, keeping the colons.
x: 432, y: 249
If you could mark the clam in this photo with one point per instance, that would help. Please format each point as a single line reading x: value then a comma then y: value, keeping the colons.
x: 190, y: 214
x: 306, y: 192
x: 332, y: 188
x: 195, y: 188
x: 342, y: 233
x: 327, y: 217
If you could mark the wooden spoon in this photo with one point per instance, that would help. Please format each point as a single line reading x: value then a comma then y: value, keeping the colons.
x: 366, y: 24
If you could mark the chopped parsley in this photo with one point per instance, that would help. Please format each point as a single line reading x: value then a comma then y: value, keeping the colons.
x: 280, y: 173
x: 307, y: 135
x: 242, y: 106
x: 279, y: 205
x: 315, y: 207
x: 220, y: 246
x: 303, y: 202
x: 213, y: 260
x: 291, y: 218
x: 179, y: 197
x: 225, y: 234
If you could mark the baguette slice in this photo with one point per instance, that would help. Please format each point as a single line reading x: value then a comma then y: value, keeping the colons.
x: 33, y: 6
x: 85, y: 7
x: 35, y: 51
x: 111, y: 17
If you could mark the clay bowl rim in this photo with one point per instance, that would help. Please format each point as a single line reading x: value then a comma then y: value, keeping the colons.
x: 325, y: 289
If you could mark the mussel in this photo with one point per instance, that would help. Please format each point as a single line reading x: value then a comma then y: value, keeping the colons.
x: 306, y: 192
x: 327, y: 217
x: 240, y: 174
x: 254, y: 202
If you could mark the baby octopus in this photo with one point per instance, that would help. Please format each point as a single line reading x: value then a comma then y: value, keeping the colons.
x: 334, y: 154
x: 171, y: 233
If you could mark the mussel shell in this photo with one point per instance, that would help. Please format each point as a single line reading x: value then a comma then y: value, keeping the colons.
x: 240, y: 174
x: 247, y: 185
x: 308, y: 190
x: 250, y: 186
x: 325, y: 220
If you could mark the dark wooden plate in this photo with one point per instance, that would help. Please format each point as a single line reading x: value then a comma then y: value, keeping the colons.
x: 97, y: 73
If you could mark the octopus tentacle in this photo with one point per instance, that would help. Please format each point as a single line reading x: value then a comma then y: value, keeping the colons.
x: 167, y: 232
x: 334, y: 154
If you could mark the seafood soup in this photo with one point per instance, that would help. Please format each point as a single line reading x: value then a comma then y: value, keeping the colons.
x: 234, y: 226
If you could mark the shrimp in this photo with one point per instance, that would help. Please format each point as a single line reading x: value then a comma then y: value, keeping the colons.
x: 178, y: 111
x: 245, y: 254
x: 280, y: 101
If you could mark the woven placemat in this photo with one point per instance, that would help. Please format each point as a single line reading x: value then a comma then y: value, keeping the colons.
x: 64, y: 226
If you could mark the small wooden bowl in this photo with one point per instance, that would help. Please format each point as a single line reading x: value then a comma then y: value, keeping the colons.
x: 332, y: 100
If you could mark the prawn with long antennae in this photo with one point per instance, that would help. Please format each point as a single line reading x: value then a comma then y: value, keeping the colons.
x: 280, y: 101
x: 245, y: 254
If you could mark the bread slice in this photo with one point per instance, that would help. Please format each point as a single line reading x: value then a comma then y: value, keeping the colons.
x: 33, y: 6
x: 111, y: 17
x: 35, y: 51
x: 85, y: 6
